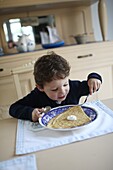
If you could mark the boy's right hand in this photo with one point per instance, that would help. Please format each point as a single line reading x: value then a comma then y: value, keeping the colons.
x: 36, y: 113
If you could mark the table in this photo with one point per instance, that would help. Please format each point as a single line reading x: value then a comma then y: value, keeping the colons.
x: 91, y: 154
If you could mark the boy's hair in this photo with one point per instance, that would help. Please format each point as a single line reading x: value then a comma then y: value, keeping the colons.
x: 50, y: 67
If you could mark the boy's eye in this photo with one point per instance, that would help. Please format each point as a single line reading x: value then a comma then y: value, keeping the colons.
x: 66, y: 84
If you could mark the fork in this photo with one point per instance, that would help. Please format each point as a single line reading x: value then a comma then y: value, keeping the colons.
x: 84, y: 100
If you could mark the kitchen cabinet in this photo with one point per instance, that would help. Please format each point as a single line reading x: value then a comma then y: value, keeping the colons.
x: 13, y: 86
x: 106, y: 90
x: 43, y: 3
x: 71, y: 17
x: 15, y: 83
x: 84, y: 59
x: 69, y: 20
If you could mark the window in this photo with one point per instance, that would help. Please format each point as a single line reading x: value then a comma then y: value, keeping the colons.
x: 13, y: 28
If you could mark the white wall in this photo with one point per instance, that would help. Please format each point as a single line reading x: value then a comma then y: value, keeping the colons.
x: 96, y: 24
x: 109, y: 4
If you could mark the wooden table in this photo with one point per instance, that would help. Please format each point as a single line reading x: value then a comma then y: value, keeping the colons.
x: 91, y: 154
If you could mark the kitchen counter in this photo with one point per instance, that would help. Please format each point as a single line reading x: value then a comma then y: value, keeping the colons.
x: 96, y: 153
x: 40, y: 48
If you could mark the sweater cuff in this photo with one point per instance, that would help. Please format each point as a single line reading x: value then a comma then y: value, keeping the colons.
x: 94, y: 75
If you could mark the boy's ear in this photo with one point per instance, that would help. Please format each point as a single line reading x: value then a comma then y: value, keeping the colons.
x: 39, y: 87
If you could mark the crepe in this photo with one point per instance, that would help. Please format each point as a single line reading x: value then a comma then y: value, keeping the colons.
x: 61, y: 121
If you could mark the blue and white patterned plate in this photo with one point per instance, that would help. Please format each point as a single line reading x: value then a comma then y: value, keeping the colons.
x: 56, y: 111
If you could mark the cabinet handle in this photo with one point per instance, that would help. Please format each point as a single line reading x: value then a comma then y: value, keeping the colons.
x: 84, y: 56
x: 1, y: 69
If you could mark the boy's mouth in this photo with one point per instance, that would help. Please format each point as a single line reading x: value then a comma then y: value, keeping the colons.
x: 61, y: 97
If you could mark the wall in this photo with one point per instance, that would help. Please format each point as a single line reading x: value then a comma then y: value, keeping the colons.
x: 95, y: 20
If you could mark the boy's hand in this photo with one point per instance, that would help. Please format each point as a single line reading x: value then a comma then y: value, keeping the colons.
x: 94, y: 85
x: 36, y: 113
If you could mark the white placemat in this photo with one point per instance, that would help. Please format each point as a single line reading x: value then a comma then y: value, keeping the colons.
x: 35, y: 140
x: 19, y: 163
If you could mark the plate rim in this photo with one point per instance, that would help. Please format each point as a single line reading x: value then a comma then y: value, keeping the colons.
x: 68, y: 129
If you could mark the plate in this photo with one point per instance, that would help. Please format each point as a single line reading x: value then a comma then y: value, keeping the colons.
x: 53, y: 45
x: 56, y: 111
x: 34, y: 126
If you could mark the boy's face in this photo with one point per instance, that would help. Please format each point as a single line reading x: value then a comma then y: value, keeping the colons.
x: 57, y: 89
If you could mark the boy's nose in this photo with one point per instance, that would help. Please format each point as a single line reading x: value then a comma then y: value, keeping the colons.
x: 62, y: 91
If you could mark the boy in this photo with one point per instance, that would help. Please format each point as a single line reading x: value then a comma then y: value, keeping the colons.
x: 53, y: 88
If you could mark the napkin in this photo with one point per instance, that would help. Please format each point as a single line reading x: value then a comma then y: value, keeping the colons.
x: 29, y: 140
x: 23, y: 162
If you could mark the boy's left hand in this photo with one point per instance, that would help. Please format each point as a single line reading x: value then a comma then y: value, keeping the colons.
x: 94, y: 85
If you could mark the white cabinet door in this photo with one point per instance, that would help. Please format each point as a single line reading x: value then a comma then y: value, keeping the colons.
x: 106, y: 90
x: 9, y: 87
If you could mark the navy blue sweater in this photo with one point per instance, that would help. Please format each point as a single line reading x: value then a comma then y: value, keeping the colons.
x: 22, y: 109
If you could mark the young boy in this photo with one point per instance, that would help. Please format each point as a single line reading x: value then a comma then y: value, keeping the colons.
x: 53, y: 88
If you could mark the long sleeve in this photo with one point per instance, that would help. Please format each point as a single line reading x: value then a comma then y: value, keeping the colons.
x: 94, y: 75
x: 22, y: 109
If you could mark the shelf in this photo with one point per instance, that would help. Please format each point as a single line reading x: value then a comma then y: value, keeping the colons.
x: 9, y: 7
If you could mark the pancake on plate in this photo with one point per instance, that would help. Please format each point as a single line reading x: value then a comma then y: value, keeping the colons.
x: 77, y: 118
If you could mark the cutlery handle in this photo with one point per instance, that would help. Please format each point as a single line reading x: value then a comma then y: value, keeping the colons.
x: 84, y: 56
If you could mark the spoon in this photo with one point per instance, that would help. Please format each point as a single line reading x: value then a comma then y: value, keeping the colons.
x: 36, y: 125
x: 47, y: 109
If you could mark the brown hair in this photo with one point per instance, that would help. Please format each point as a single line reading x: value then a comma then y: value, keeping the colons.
x: 50, y: 67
